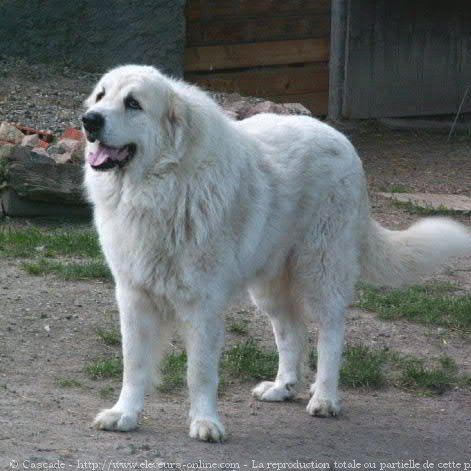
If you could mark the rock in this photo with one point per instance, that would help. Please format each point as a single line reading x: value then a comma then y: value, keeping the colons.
x: 279, y: 108
x: 238, y: 107
x: 40, y: 155
x: 6, y: 150
x: 30, y: 141
x: 38, y: 177
x: 75, y: 147
x: 266, y: 107
x: 72, y: 133
x: 55, y: 149
x: 43, y: 144
x: 10, y: 133
x: 296, y: 108
x: 229, y: 98
x: 232, y: 114
x: 46, y: 136
x: 67, y: 150
x: 63, y: 158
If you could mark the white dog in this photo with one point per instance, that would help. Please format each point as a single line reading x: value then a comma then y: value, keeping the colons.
x: 191, y: 207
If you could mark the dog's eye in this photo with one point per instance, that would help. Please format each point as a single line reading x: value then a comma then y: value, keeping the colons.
x: 132, y: 103
x: 100, y: 96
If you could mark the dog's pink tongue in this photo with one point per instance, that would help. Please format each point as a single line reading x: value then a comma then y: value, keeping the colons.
x: 103, y: 153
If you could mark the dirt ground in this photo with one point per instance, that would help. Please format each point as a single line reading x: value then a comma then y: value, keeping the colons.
x: 48, y: 332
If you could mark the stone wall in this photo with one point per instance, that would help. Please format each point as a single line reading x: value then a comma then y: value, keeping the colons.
x: 95, y: 35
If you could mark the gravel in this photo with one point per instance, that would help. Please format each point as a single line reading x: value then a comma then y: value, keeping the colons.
x: 45, y: 97
x: 50, y: 97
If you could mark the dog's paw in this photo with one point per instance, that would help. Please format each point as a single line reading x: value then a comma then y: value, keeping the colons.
x: 207, y: 430
x: 273, y: 392
x: 112, y: 419
x: 323, y: 407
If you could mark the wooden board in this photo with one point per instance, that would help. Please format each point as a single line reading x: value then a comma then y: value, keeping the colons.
x: 338, y: 43
x: 208, y: 9
x: 245, y: 30
x: 407, y: 58
x: 267, y: 48
x: 267, y: 82
x: 208, y: 58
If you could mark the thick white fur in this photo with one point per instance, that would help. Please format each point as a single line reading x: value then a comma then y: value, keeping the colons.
x: 392, y: 258
x: 210, y: 206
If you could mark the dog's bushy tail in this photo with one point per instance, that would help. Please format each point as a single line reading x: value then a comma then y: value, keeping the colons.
x: 392, y: 258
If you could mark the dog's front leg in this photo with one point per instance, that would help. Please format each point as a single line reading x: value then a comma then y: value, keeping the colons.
x: 204, y: 338
x: 139, y: 331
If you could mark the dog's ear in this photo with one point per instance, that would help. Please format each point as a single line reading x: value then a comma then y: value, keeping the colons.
x: 178, y: 123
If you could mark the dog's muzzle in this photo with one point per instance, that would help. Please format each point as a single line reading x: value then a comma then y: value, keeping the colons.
x: 93, y: 123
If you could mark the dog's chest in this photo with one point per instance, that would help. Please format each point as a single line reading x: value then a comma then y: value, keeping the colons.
x: 141, y: 252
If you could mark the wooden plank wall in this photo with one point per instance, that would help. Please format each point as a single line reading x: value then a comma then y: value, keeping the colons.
x: 407, y: 58
x: 278, y: 49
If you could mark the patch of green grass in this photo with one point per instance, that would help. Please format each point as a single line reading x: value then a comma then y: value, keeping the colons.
x: 430, y: 380
x: 244, y: 360
x: 105, y: 368
x: 371, y: 368
x: 69, y: 253
x: 412, y: 373
x: 106, y: 392
x: 363, y: 367
x: 69, y: 270
x: 465, y: 380
x: 30, y: 241
x: 173, y: 372
x: 413, y: 208
x: 395, y: 188
x: 447, y: 363
x: 247, y: 360
x: 238, y: 327
x: 432, y: 304
x: 111, y: 336
x: 68, y: 383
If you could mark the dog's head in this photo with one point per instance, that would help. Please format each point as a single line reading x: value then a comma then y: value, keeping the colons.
x: 133, y: 114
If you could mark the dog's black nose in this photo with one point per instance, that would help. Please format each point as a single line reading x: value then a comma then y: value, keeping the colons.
x: 93, y: 122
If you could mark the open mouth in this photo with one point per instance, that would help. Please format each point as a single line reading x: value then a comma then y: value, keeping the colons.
x: 107, y: 157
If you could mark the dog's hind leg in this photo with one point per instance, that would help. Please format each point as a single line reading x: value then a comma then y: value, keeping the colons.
x: 324, y: 401
x: 276, y: 301
x: 140, y: 331
x: 203, y: 334
x: 328, y: 281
